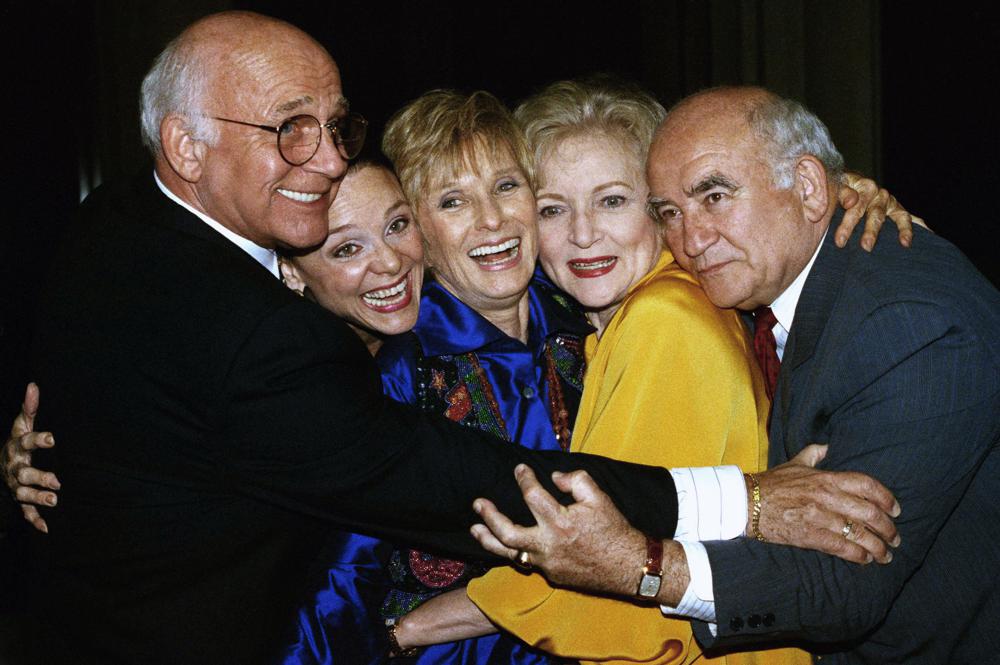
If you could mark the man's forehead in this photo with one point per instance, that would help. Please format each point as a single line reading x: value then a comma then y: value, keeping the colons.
x: 683, y: 158
x: 279, y: 79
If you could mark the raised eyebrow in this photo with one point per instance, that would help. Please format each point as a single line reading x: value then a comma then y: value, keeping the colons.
x: 711, y: 182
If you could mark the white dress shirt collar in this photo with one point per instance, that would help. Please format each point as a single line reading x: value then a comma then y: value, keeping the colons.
x: 784, y: 305
x: 266, y: 257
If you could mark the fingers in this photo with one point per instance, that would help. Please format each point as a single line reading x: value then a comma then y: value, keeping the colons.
x: 811, y: 455
x: 25, y: 421
x: 860, y: 545
x: 510, y: 536
x: 863, y: 512
x: 28, y: 475
x: 871, y: 543
x: 835, y: 544
x: 867, y: 488
x: 580, y: 485
x: 29, y: 408
x: 852, y: 215
x: 489, y: 542
x: 35, y: 440
x: 30, y: 495
x: 33, y: 517
x: 541, y: 504
x: 874, y: 220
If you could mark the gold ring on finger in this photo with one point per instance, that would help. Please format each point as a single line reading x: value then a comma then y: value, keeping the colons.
x: 522, y: 560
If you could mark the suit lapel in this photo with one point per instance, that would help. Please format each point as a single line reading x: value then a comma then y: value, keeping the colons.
x: 152, y: 206
x: 812, y: 311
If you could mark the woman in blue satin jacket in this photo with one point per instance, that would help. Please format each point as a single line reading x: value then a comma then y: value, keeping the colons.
x: 495, y: 347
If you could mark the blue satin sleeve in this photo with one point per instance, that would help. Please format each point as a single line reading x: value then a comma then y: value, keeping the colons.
x: 341, y: 624
x: 496, y: 649
x: 397, y: 361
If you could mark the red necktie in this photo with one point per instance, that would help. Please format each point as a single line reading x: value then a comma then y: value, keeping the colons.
x: 766, y: 348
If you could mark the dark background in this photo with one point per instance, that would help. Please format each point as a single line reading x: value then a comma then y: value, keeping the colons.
x: 905, y: 90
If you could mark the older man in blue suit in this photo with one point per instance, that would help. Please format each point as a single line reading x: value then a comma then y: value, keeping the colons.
x: 889, y: 357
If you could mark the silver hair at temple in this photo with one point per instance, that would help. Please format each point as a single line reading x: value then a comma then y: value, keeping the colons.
x: 790, y: 131
x: 175, y: 84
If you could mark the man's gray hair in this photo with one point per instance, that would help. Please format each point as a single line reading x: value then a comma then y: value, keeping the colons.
x: 175, y: 84
x: 790, y: 131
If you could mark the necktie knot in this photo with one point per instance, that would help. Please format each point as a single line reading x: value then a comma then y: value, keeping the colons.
x: 763, y: 316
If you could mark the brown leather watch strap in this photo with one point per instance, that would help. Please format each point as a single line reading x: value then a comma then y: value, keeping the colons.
x: 654, y: 556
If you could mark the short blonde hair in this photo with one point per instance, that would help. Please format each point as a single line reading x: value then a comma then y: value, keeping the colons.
x: 571, y: 108
x: 438, y: 136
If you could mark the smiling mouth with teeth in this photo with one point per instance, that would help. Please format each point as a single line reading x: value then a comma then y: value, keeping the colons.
x: 390, y: 298
x: 501, y: 255
x: 301, y: 197
x: 594, y: 267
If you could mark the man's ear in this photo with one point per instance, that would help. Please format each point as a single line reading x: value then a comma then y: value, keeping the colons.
x: 183, y: 152
x: 811, y: 185
x: 291, y: 277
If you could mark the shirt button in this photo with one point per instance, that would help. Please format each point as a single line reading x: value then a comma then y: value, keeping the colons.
x: 736, y: 623
x: 768, y: 619
x: 528, y: 392
x: 754, y: 621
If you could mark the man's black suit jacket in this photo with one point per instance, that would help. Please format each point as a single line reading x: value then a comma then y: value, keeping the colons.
x: 211, y: 426
x: 894, y: 361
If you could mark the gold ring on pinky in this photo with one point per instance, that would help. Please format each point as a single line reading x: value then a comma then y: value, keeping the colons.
x: 848, y: 527
x: 522, y: 560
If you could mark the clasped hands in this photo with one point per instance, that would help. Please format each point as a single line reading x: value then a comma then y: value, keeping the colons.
x: 589, y: 545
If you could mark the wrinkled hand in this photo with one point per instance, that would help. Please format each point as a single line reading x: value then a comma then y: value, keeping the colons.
x: 26, y: 483
x: 809, y: 508
x: 587, y: 545
x: 860, y: 195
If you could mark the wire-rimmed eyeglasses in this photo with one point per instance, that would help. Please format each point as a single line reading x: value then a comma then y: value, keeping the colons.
x: 299, y: 136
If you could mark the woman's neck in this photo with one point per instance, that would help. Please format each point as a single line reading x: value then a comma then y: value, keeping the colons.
x: 600, y: 319
x: 512, y: 320
x: 371, y: 340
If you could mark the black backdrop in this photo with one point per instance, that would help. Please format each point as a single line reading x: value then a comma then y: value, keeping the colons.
x: 904, y: 88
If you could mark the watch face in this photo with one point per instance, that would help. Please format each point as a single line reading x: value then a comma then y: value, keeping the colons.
x: 649, y: 586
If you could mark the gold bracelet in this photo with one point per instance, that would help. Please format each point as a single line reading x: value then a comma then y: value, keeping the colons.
x: 395, y: 651
x: 755, y: 508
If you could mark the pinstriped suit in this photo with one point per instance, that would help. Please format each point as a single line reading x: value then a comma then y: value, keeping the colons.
x: 894, y: 360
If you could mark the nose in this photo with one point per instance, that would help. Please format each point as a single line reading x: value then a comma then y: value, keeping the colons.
x: 699, y: 234
x: 388, y: 260
x: 491, y: 215
x: 582, y: 231
x: 327, y: 160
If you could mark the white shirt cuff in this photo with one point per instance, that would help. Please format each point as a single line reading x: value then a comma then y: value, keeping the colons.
x: 711, y: 503
x: 698, y: 601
